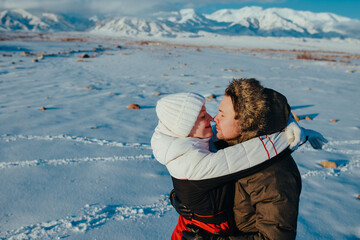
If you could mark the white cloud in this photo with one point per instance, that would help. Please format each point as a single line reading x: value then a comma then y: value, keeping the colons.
x: 128, y: 7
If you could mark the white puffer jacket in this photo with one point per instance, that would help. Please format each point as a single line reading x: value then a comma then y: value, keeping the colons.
x: 190, y: 158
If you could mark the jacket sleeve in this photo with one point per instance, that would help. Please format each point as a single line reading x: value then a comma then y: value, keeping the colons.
x: 198, y: 163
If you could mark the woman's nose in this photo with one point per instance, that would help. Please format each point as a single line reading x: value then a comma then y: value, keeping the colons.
x: 215, y: 119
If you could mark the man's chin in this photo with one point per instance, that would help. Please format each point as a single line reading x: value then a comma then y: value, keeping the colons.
x: 219, y: 136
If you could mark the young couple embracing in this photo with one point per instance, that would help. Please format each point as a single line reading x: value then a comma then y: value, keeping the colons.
x: 241, y: 181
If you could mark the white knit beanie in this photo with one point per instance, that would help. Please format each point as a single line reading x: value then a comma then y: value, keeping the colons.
x: 179, y: 111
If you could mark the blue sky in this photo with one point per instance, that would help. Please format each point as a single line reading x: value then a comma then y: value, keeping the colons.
x: 348, y: 8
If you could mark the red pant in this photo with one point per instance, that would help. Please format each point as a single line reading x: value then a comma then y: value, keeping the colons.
x: 224, y: 228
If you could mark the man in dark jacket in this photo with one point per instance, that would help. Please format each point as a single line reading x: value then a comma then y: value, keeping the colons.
x: 266, y: 201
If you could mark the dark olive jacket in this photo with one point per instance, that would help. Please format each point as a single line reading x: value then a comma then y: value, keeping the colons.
x: 266, y: 203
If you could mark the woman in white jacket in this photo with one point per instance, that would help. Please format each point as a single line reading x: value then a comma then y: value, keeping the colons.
x: 181, y: 143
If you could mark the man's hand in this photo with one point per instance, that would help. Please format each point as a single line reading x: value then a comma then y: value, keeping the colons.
x: 179, y: 207
x: 197, y: 233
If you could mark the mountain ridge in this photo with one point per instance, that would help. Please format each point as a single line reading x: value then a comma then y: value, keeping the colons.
x: 247, y: 21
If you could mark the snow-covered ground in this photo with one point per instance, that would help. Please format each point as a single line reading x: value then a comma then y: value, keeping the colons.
x: 83, y: 167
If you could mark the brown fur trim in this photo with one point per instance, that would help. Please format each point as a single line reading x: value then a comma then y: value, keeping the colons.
x: 250, y: 106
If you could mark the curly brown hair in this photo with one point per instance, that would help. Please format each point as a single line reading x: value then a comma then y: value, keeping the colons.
x: 250, y: 105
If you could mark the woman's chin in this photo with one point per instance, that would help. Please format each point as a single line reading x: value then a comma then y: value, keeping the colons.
x: 209, y: 134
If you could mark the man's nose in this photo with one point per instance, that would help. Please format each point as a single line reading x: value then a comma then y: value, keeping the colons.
x: 215, y: 119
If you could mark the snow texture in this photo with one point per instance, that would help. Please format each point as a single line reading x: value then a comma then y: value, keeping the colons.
x: 83, y: 167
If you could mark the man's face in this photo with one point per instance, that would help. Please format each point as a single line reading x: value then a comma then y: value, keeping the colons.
x: 226, y: 125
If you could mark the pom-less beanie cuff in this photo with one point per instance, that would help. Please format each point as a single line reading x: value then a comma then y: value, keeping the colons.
x: 179, y: 111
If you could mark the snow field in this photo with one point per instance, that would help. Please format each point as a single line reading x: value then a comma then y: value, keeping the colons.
x: 83, y: 168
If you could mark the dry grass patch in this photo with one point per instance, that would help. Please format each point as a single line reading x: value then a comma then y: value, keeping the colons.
x: 310, y: 56
x: 72, y: 40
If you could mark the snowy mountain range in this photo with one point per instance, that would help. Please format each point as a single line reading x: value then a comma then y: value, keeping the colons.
x: 249, y: 21
x: 22, y: 20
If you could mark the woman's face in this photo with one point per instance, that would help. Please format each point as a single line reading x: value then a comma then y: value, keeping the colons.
x: 226, y: 125
x: 202, y: 126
